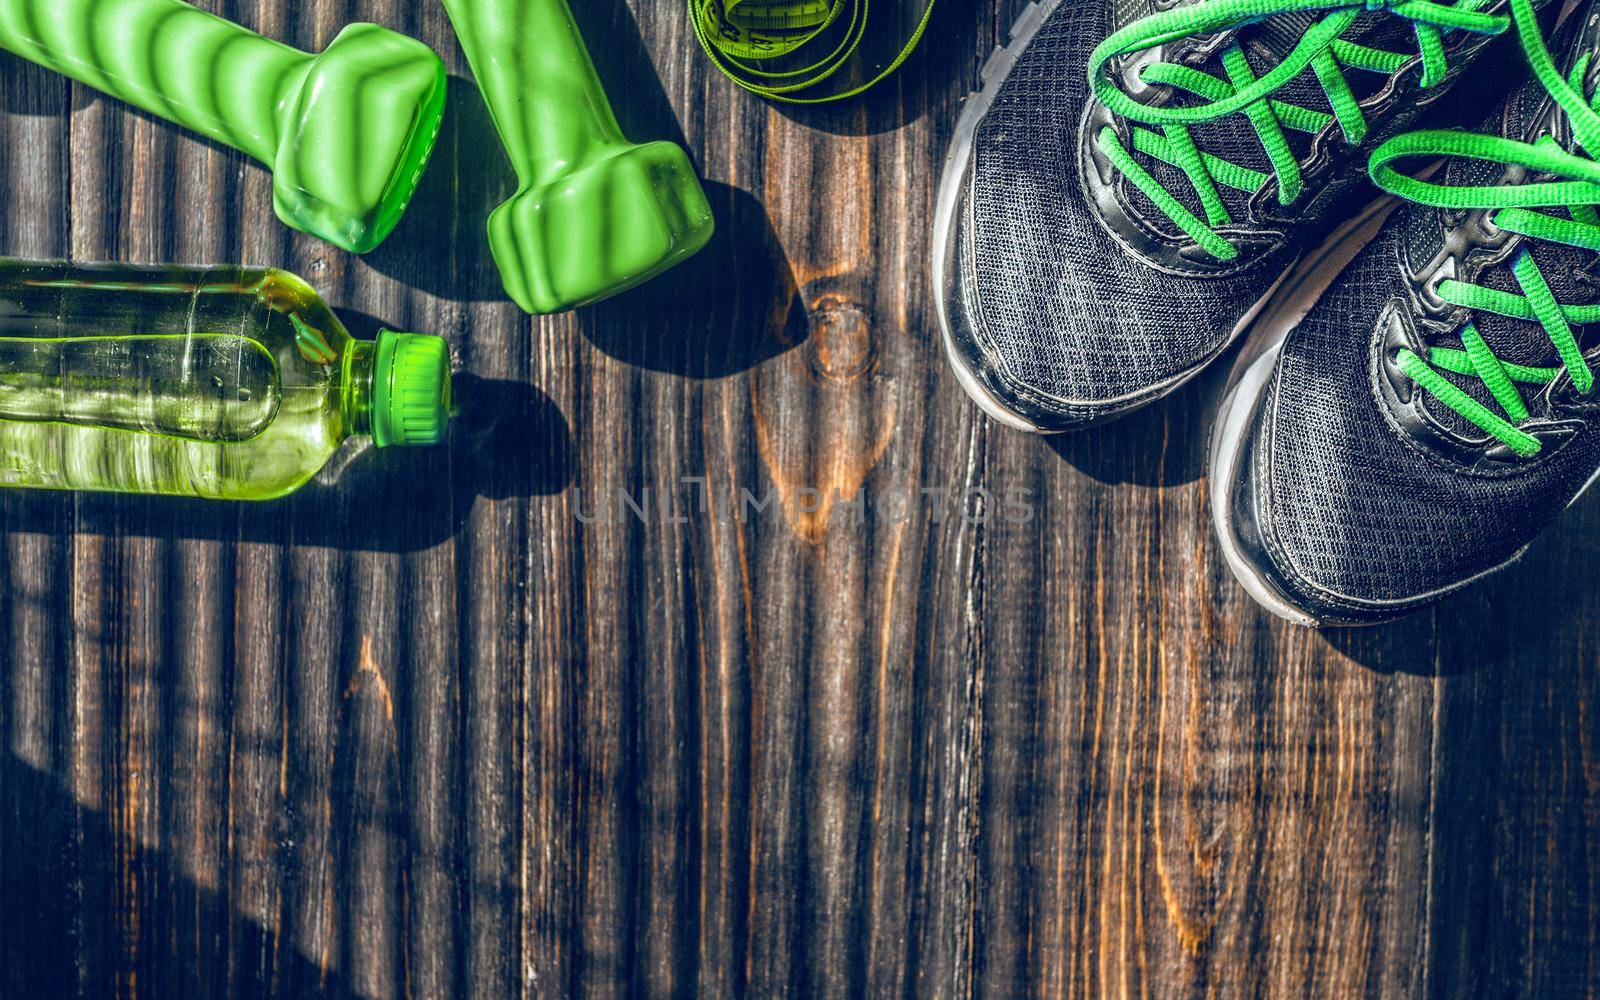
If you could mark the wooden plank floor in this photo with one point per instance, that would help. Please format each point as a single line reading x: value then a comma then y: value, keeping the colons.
x: 462, y: 724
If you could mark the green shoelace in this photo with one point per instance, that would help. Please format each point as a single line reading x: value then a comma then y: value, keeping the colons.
x: 1572, y: 186
x: 788, y: 50
x: 1320, y: 48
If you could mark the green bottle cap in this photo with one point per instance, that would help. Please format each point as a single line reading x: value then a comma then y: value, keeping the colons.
x: 410, y: 389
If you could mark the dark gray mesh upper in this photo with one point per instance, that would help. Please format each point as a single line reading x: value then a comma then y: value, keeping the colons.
x: 1358, y: 510
x: 1065, y: 310
x: 1070, y: 312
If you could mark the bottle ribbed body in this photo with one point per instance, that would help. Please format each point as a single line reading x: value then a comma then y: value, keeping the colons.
x: 222, y: 383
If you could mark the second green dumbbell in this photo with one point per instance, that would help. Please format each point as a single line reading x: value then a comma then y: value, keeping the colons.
x: 595, y: 214
x: 347, y: 133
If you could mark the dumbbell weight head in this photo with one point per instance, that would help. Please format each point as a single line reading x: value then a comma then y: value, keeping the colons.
x: 356, y: 136
x: 594, y: 214
x: 611, y: 223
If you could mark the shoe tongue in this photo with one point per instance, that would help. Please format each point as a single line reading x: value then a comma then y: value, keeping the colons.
x: 1266, y: 44
x: 1276, y: 36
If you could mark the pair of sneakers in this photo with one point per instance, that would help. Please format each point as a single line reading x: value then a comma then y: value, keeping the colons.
x: 1135, y: 180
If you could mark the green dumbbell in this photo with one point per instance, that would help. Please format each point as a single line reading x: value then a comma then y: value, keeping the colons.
x: 346, y: 133
x: 594, y: 214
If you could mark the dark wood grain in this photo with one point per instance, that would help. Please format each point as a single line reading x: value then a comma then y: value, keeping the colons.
x: 432, y: 729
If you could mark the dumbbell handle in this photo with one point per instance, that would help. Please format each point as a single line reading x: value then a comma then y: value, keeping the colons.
x: 540, y: 85
x: 173, y: 60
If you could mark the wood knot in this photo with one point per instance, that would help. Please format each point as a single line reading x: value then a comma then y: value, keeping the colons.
x: 841, y: 339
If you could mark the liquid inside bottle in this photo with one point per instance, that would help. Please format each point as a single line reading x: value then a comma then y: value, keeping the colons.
x: 223, y: 383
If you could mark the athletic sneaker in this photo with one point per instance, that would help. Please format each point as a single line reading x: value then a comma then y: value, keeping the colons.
x: 1109, y: 220
x: 1435, y: 409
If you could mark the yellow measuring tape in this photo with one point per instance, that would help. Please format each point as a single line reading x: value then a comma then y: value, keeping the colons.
x: 766, y: 46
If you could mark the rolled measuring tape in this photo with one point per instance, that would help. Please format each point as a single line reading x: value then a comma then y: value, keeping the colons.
x: 805, y: 51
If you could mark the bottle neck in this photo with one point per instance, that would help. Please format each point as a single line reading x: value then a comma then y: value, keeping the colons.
x: 355, y: 400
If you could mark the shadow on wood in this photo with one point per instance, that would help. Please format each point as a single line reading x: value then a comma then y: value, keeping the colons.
x: 1163, y: 444
x: 725, y: 310
x: 1491, y: 627
x: 27, y: 89
x: 441, y: 245
x: 68, y: 928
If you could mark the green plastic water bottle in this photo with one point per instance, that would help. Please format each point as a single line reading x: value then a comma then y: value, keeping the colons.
x: 226, y: 383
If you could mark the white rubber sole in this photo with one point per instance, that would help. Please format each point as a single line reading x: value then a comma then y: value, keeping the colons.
x: 994, y: 73
x: 1238, y: 406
